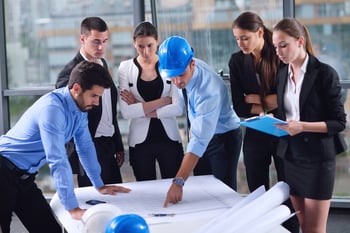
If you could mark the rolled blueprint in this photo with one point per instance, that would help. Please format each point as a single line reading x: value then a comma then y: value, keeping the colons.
x: 268, y: 221
x: 211, y: 225
x: 245, y: 214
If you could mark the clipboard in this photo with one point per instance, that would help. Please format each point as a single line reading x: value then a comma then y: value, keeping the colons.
x: 265, y: 124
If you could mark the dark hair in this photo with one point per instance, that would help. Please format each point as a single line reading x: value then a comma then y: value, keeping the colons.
x: 92, y: 23
x: 145, y: 29
x: 268, y: 65
x: 87, y: 74
x: 294, y: 28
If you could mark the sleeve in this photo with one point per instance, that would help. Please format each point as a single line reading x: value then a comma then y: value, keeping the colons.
x: 334, y: 107
x: 176, y: 108
x: 52, y: 125
x: 208, y: 104
x: 117, y: 138
x: 238, y: 96
x: 125, y: 73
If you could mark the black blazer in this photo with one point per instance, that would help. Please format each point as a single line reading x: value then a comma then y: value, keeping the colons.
x: 320, y: 100
x: 94, y: 115
x: 243, y: 81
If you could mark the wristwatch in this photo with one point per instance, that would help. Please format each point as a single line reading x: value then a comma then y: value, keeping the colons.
x: 179, y: 181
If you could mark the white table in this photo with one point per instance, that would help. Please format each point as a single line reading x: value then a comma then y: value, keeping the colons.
x: 204, y: 198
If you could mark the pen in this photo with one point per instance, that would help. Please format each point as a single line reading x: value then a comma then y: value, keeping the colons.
x: 162, y: 215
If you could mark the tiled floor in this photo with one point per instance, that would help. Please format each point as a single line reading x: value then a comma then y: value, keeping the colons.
x: 339, y: 221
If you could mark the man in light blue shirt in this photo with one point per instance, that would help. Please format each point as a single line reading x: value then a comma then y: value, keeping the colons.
x: 215, y: 135
x: 39, y: 137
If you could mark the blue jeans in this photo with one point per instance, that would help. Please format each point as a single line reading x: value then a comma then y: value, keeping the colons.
x: 221, y: 157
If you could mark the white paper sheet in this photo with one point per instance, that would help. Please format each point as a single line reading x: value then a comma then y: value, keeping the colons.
x: 204, y: 197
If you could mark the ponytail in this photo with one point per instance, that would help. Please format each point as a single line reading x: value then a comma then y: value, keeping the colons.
x: 308, y: 43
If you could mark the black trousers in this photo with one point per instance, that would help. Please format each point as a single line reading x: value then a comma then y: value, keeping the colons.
x: 143, y: 158
x: 20, y: 194
x: 258, y: 151
x: 221, y: 157
x: 110, y: 171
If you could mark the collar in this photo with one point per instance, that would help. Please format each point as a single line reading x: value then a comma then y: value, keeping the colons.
x: 99, y: 61
x: 193, y: 79
x: 302, y: 68
x: 72, y: 105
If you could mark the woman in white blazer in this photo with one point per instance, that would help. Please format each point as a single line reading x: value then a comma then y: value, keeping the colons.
x: 152, y: 104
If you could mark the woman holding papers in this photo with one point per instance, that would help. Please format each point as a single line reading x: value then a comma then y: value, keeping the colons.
x: 253, y: 80
x: 309, y: 99
x: 253, y: 88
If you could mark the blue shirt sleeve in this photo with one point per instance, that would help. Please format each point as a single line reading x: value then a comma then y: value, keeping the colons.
x: 210, y: 110
x: 57, y: 124
x: 204, y: 115
x: 52, y: 126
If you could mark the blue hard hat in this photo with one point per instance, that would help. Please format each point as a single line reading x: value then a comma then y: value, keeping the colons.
x: 175, y: 53
x: 127, y: 223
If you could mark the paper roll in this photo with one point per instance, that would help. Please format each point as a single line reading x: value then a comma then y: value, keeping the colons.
x: 252, y: 208
x: 274, y: 197
x: 268, y: 221
x: 211, y: 226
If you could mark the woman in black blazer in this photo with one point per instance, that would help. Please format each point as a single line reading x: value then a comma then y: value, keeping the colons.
x: 309, y: 98
x: 253, y: 72
x: 253, y: 77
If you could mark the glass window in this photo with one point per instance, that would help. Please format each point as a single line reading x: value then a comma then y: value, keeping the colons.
x: 207, y: 24
x: 329, y: 29
x: 43, y: 35
x: 18, y: 105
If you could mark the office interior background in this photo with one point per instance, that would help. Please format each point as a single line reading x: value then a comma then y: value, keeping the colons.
x: 38, y: 37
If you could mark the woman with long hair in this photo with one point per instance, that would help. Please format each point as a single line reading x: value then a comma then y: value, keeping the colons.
x: 253, y: 77
x: 309, y: 99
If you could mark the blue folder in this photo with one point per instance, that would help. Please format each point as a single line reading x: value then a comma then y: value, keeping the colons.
x: 265, y: 124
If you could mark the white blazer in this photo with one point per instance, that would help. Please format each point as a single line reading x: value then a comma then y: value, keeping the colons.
x: 139, y: 123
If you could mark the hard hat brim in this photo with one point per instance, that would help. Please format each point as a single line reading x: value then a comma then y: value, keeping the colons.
x: 171, y: 73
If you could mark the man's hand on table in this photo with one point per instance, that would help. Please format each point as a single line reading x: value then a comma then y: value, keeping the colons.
x: 113, y: 189
x: 77, y: 213
x: 174, y: 195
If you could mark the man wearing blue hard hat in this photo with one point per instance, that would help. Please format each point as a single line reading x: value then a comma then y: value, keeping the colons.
x: 215, y: 136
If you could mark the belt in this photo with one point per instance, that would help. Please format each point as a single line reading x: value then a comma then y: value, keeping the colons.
x: 219, y: 135
x: 22, y: 174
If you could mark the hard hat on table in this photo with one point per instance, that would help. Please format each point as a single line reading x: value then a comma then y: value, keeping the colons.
x: 127, y: 223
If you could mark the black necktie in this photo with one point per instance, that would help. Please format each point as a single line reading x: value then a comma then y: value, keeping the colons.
x: 184, y: 93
